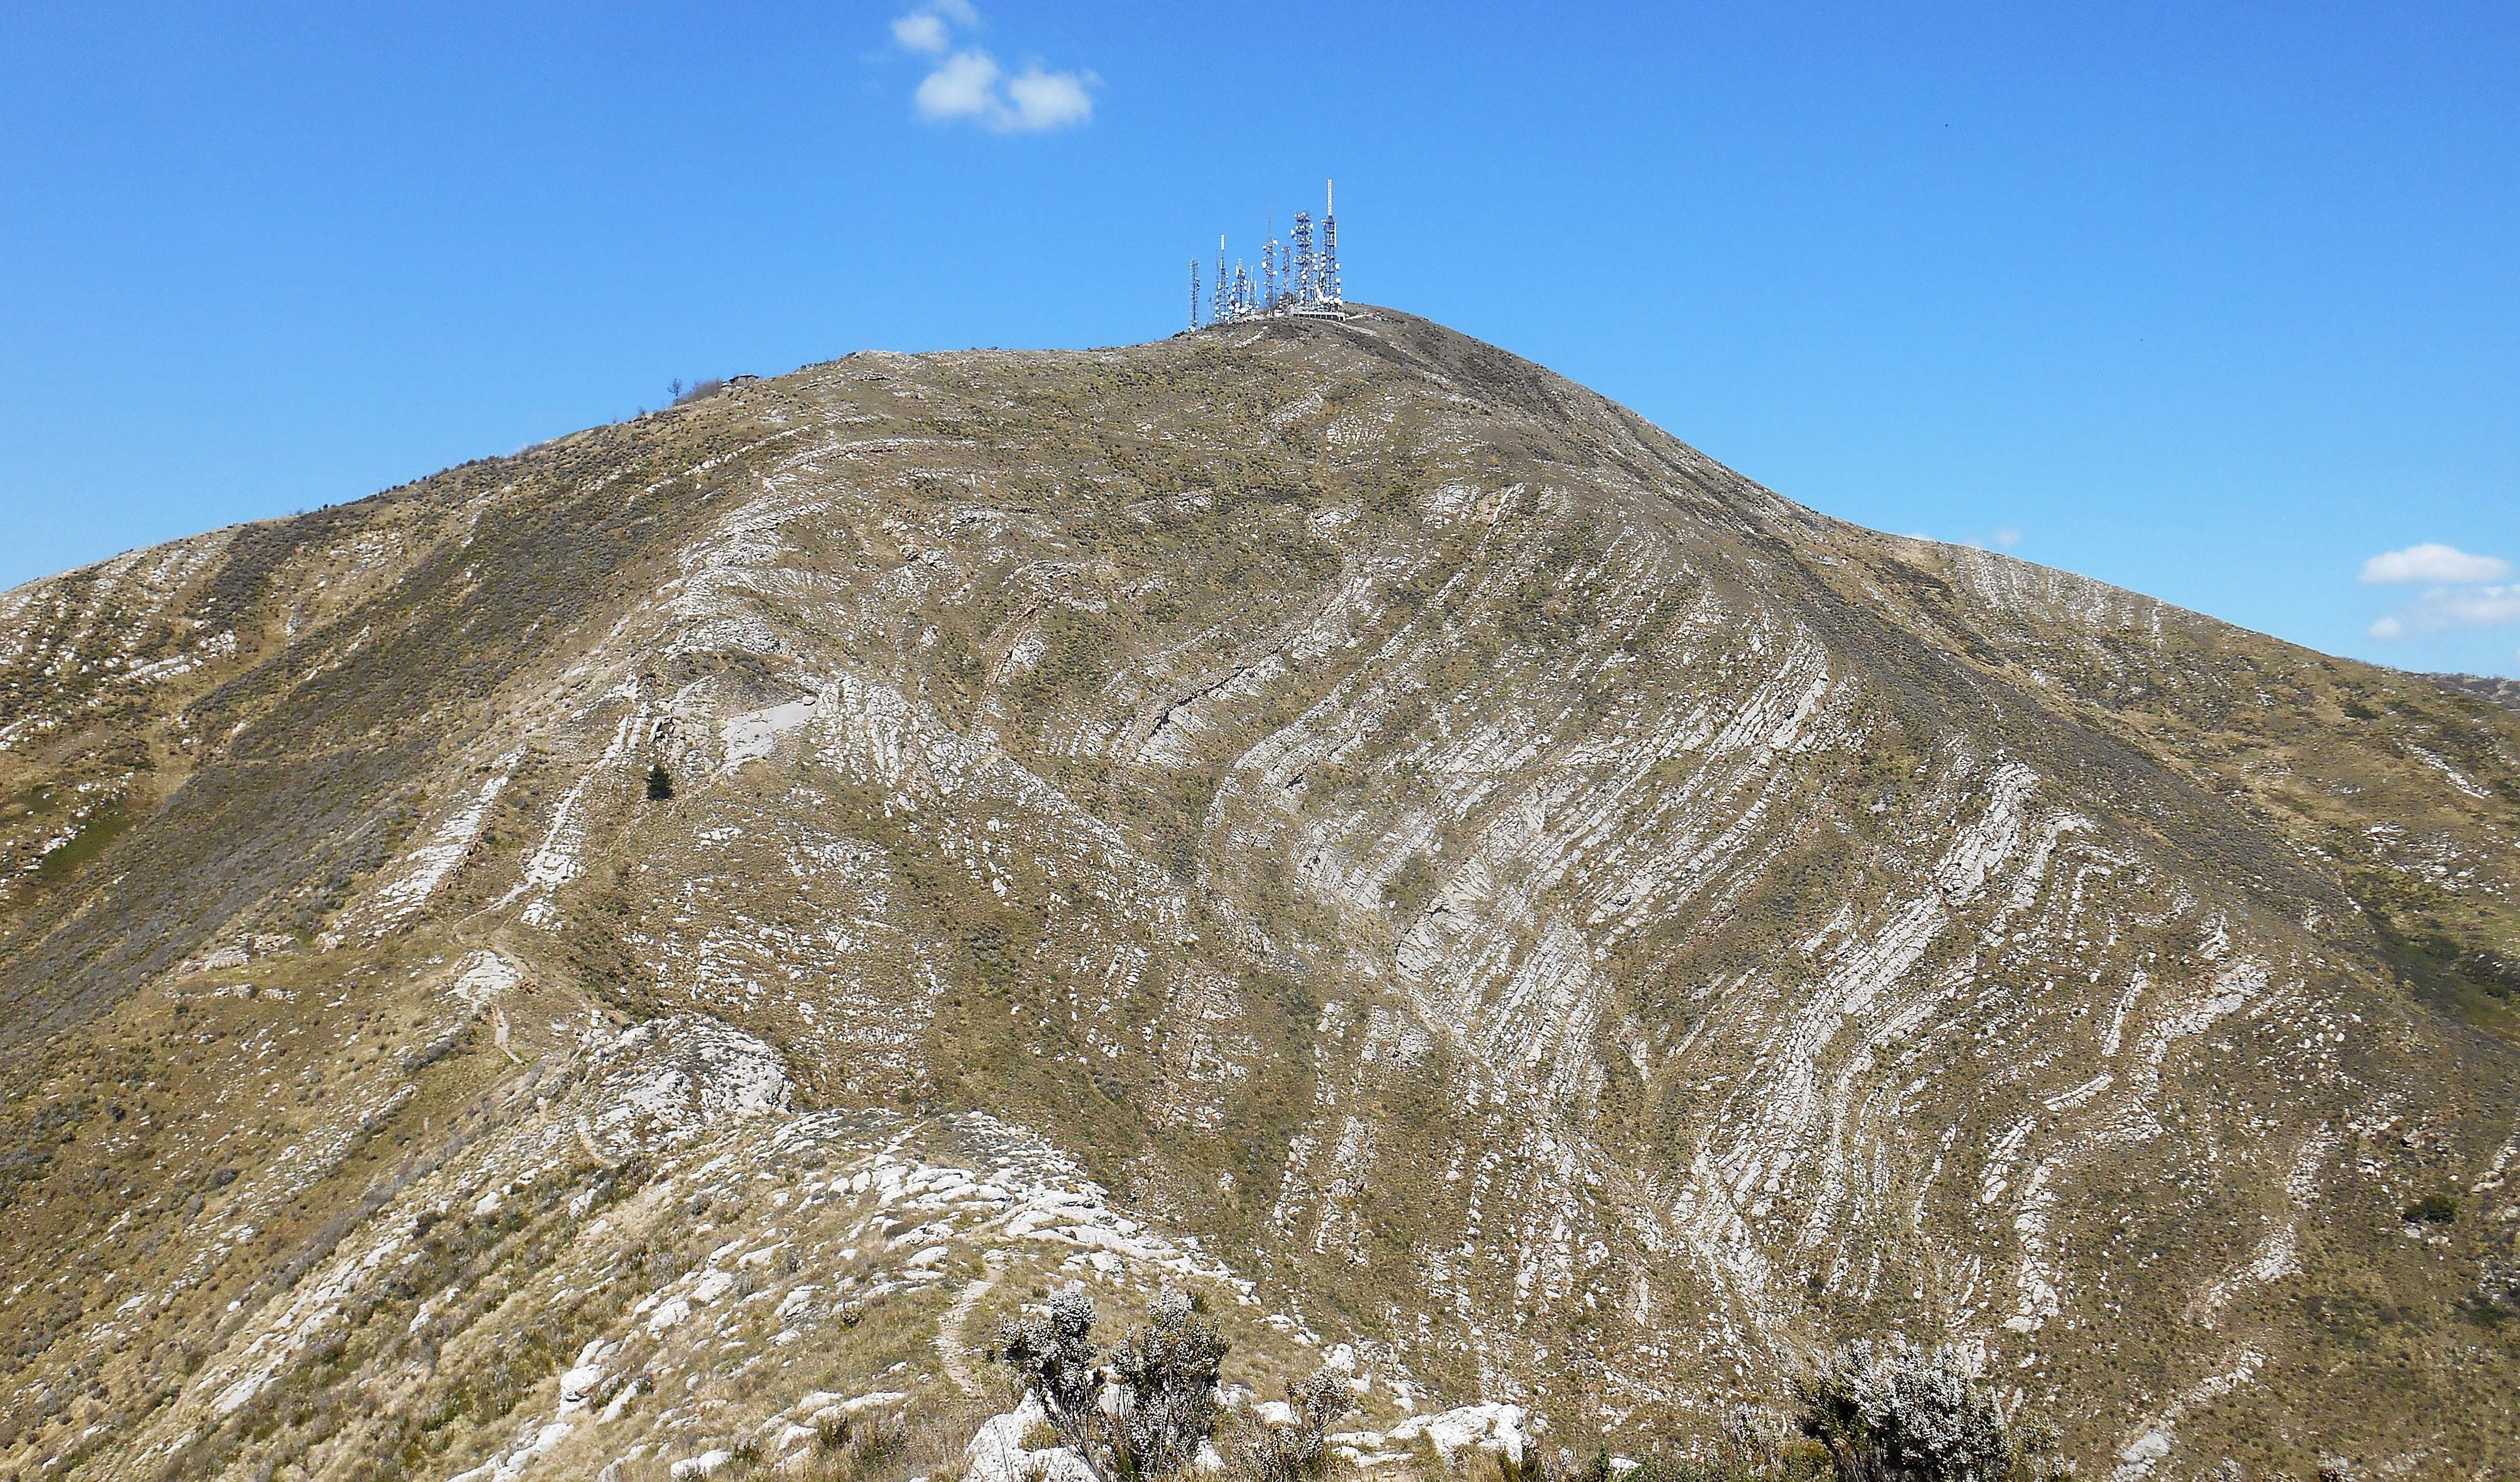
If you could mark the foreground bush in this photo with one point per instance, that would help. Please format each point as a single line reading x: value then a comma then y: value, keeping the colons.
x: 1299, y: 1452
x: 1167, y: 1368
x: 1161, y: 1403
x: 1054, y: 1356
x: 1897, y: 1412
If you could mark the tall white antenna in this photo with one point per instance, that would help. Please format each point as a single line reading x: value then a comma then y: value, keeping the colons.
x: 1325, y: 277
x: 1269, y: 268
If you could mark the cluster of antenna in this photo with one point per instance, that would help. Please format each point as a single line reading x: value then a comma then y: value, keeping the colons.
x: 1296, y: 277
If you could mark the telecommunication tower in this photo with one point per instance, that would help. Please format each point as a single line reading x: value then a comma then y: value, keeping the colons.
x: 1297, y: 276
x: 1327, y: 288
x: 1269, y: 270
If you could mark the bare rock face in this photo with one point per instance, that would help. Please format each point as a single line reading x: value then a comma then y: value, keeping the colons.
x: 2502, y: 692
x: 1326, y: 816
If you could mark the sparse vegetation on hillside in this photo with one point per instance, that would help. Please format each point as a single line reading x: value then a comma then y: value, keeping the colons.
x: 1510, y: 914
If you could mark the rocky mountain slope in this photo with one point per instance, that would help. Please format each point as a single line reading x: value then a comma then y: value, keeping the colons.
x: 1328, y: 815
x: 2502, y: 692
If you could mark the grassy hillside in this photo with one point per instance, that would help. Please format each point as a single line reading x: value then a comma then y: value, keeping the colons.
x: 1537, y: 905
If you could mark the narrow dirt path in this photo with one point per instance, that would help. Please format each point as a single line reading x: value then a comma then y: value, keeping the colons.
x: 499, y: 1033
x: 951, y: 1348
x: 586, y: 1139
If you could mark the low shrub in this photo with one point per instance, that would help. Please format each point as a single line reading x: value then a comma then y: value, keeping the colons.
x: 1297, y: 1452
x: 1896, y: 1411
x: 1165, y: 1370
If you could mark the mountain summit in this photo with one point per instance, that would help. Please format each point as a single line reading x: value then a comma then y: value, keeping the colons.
x: 643, y: 950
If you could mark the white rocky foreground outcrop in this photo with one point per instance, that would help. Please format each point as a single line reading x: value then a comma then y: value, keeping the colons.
x: 1490, y: 1426
x: 997, y: 1452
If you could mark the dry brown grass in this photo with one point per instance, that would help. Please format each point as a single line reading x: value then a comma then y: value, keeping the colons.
x: 925, y: 1439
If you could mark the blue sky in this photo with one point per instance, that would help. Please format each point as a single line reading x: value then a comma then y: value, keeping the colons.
x: 2216, y: 302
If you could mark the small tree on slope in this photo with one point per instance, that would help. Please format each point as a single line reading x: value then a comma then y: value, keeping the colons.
x: 1167, y: 1368
x: 1054, y: 1356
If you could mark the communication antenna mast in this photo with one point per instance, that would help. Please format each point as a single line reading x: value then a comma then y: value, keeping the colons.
x: 1268, y: 271
x: 1193, y: 293
x: 1303, y: 285
x: 1327, y: 288
x: 1223, y: 307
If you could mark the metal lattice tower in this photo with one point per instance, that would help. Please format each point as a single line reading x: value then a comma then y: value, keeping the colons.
x: 1268, y: 271
x: 1303, y: 283
x: 1223, y: 309
x: 1193, y: 293
x: 1326, y: 280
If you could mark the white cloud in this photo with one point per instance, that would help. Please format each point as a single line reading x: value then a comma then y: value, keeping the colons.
x: 962, y: 86
x: 2448, y: 609
x: 2435, y: 563
x: 2472, y: 607
x: 2007, y: 538
x: 2463, y: 593
x: 1051, y: 100
x: 970, y: 85
x: 930, y: 26
x: 921, y: 31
